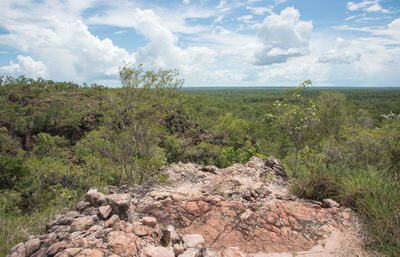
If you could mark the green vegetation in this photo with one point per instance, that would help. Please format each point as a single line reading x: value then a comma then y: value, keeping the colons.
x: 58, y: 139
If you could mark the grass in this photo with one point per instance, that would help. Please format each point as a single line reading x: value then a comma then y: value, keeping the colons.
x: 372, y: 193
x: 15, y: 229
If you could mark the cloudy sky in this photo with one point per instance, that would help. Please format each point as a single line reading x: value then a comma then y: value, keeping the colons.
x: 211, y: 42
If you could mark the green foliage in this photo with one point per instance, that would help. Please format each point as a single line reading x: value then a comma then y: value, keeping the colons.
x: 330, y: 113
x: 16, y: 228
x: 47, y: 145
x: 173, y: 148
x: 232, y: 130
x: 13, y: 172
x: 57, y: 139
x: 297, y: 116
x: 9, y: 145
x: 9, y: 202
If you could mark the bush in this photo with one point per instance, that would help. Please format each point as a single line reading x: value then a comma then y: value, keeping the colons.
x: 316, y: 187
x: 13, y: 172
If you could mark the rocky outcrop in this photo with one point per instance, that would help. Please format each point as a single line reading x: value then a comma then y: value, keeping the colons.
x: 243, y: 210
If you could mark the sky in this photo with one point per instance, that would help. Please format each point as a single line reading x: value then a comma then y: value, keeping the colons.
x: 211, y: 42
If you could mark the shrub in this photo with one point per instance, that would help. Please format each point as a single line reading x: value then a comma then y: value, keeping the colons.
x: 13, y: 171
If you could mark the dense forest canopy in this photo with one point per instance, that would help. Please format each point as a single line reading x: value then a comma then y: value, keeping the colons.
x: 58, y: 139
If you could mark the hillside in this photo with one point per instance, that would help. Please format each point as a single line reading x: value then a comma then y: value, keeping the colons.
x: 59, y: 139
x: 243, y: 210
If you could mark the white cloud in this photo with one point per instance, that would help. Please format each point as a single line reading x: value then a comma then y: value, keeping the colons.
x: 54, y: 40
x: 119, y: 32
x: 283, y: 36
x: 394, y: 29
x: 245, y: 18
x: 343, y: 53
x: 61, y: 41
x: 25, y: 66
x: 221, y: 4
x: 366, y: 5
x: 260, y: 10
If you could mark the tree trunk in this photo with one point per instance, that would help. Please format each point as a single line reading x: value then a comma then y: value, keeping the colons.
x: 295, y: 163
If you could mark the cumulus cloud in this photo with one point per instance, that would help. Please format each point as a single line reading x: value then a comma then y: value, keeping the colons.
x: 366, y: 5
x: 62, y: 42
x: 283, y: 36
x: 27, y: 66
x: 394, y: 28
x: 343, y: 53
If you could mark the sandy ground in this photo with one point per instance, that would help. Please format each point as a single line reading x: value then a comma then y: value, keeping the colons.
x: 337, y: 244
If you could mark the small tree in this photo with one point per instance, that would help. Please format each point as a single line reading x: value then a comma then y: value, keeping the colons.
x: 297, y: 116
x: 134, y: 120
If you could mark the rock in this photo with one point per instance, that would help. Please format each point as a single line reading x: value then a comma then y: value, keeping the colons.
x: 329, y: 203
x: 247, y: 196
x: 160, y: 195
x: 277, y: 166
x: 95, y: 198
x: 178, y: 249
x: 246, y: 215
x: 55, y: 248
x: 149, y: 221
x: 211, y: 169
x: 120, y: 204
x: 53, y: 221
x: 40, y: 253
x: 82, y: 223
x: 68, y: 218
x: 191, y: 252
x: 105, y: 211
x: 142, y: 230
x: 122, y: 243
x: 31, y: 246
x: 17, y: 251
x: 91, y: 253
x: 234, y: 212
x: 230, y: 252
x: 82, y: 205
x: 91, y: 211
x: 170, y: 236
x: 152, y: 251
x: 69, y: 252
x: 193, y: 241
x: 111, y: 221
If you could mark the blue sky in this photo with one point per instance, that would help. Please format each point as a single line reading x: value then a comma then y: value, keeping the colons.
x: 212, y: 43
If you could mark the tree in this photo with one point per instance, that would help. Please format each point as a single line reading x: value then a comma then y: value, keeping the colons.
x: 134, y: 120
x: 297, y: 116
x: 330, y: 113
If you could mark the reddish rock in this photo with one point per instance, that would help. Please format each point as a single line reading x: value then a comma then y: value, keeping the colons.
x: 191, y: 252
x: 82, y: 223
x: 229, y: 212
x: 193, y: 241
x: 149, y: 221
x: 95, y: 198
x: 31, y: 246
x: 152, y: 251
x: 120, y: 204
x: 111, y: 221
x: 142, y: 230
x: 178, y: 249
x: 105, y: 211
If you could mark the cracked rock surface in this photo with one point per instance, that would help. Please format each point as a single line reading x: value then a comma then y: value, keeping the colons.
x: 243, y: 210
